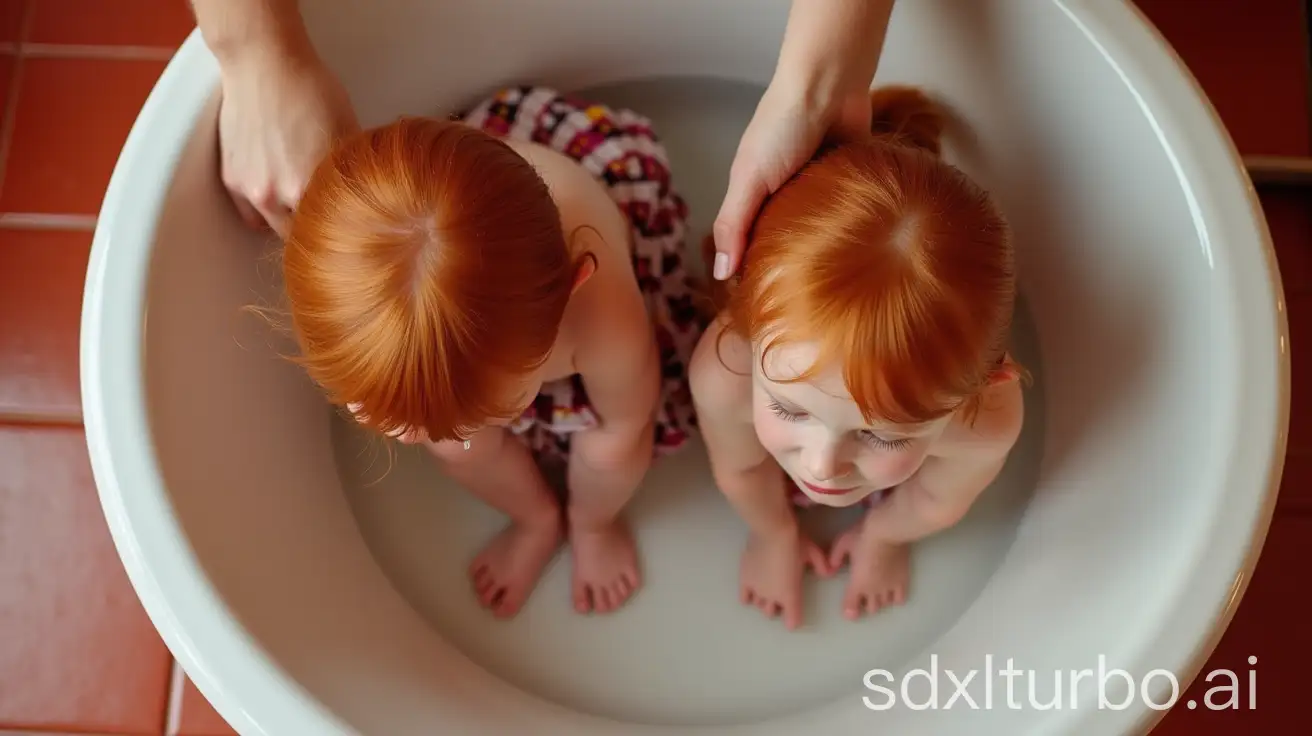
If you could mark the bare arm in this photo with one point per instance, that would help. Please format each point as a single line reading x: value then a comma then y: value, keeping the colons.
x: 240, y: 28
x: 745, y: 472
x: 945, y: 487
x: 622, y: 378
x: 821, y: 85
x: 832, y: 47
x: 281, y: 105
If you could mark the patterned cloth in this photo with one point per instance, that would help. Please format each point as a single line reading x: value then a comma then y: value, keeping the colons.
x: 620, y: 149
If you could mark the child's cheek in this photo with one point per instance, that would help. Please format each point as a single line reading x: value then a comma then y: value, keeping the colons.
x: 776, y: 435
x: 890, y: 468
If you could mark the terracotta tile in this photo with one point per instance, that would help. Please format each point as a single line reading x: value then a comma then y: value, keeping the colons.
x: 1270, y: 627
x: 1252, y: 61
x: 1289, y: 216
x: 77, y: 652
x: 199, y: 717
x: 163, y: 23
x: 1296, y: 482
x: 6, y: 79
x: 11, y: 20
x: 58, y: 161
x: 39, y: 344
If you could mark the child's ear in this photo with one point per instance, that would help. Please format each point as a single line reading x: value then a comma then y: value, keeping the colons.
x: 587, y: 266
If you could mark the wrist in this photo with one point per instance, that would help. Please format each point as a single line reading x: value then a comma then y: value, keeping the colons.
x: 253, y: 33
x: 830, y: 50
x: 817, y: 86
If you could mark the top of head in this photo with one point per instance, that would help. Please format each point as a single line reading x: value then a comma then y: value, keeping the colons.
x: 425, y: 266
x: 892, y: 262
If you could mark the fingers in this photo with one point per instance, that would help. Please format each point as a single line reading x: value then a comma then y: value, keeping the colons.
x: 248, y: 214
x: 278, y: 217
x: 839, y: 554
x: 818, y: 561
x: 747, y: 190
x: 262, y: 205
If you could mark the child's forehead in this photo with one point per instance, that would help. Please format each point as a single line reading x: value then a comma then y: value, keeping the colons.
x: 823, y: 394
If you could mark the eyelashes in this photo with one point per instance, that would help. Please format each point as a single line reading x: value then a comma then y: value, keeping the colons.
x: 867, y: 436
x: 783, y: 413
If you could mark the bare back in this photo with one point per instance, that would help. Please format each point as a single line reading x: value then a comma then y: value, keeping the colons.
x: 608, y: 308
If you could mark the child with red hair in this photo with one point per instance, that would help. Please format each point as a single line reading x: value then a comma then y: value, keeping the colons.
x: 505, y: 288
x: 860, y: 356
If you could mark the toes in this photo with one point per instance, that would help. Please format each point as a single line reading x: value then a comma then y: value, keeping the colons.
x: 508, y: 604
x: 491, y: 596
x: 582, y: 599
x: 874, y: 602
x: 620, y: 591
x: 852, y: 605
x: 792, y: 617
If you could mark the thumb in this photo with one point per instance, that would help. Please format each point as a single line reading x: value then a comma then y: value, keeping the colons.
x: 741, y: 202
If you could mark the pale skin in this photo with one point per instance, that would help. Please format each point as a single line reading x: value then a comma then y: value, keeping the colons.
x: 761, y: 433
x: 606, y: 338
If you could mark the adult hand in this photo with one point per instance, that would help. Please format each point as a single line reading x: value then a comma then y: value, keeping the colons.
x: 786, y: 130
x: 277, y: 118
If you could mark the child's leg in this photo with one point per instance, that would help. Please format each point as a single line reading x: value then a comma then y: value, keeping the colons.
x: 501, y: 471
x: 605, y: 557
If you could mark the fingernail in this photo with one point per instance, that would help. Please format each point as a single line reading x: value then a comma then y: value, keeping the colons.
x: 721, y: 270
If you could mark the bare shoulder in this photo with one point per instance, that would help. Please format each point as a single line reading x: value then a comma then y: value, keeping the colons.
x: 719, y: 373
x: 583, y: 200
x: 994, y: 429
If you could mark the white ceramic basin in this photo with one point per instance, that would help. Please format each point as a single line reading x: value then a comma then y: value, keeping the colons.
x: 311, y: 592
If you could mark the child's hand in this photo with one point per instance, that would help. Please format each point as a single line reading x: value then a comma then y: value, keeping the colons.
x: 880, y: 572
x: 771, y: 574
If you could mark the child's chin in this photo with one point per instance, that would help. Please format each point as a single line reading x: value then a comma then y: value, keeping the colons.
x: 838, y: 501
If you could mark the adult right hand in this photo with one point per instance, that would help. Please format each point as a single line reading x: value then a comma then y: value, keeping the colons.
x: 788, y: 126
x: 277, y: 119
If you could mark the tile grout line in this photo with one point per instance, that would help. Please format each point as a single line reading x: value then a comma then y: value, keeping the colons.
x: 173, y: 711
x: 7, y: 732
x: 8, y: 117
x: 10, y: 113
x: 12, y: 417
x: 46, y: 221
x: 93, y: 51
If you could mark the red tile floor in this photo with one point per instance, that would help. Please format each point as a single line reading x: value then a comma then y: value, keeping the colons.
x: 68, y: 667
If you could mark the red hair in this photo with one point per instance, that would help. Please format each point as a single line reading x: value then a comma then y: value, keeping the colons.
x: 426, y: 269
x: 892, y: 262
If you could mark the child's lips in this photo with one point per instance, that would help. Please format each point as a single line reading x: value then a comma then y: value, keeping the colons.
x: 827, y: 491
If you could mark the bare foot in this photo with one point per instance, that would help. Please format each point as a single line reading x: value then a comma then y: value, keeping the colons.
x: 880, y: 572
x: 605, y: 567
x: 770, y: 576
x: 509, y: 567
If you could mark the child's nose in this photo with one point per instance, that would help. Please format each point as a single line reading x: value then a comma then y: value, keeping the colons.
x: 825, y: 461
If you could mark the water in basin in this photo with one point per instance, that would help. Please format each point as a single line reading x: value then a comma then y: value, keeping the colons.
x: 684, y: 651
